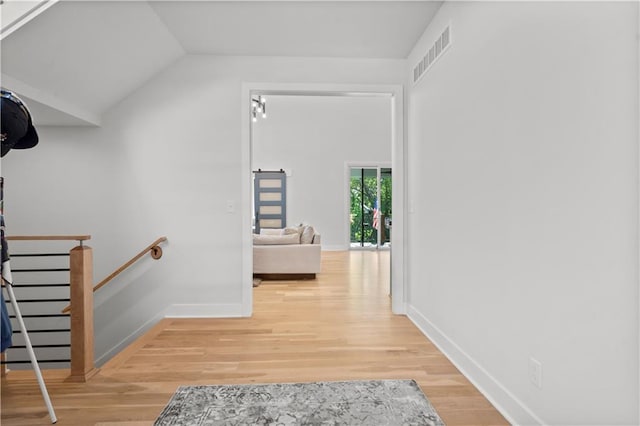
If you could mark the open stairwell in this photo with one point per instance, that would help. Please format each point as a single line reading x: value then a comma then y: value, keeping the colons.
x: 48, y: 278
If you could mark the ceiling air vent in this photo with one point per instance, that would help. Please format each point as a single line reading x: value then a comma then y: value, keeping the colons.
x: 435, y: 51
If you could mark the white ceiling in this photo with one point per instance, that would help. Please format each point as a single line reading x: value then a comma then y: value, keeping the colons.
x: 372, y: 29
x: 77, y: 59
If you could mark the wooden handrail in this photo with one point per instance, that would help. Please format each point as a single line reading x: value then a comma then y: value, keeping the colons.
x: 156, y: 253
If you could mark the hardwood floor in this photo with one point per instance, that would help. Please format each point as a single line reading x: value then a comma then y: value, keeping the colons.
x: 337, y: 327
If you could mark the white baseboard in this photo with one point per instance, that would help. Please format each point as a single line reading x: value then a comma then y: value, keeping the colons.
x: 514, y: 410
x: 230, y: 310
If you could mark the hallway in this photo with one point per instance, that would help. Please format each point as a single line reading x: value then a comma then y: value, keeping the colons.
x: 337, y: 327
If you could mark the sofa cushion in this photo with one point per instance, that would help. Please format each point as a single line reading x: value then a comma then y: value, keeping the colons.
x: 307, y: 235
x: 271, y: 231
x: 293, y: 230
x: 276, y: 239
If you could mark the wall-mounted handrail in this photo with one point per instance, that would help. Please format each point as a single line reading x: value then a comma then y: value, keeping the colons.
x: 156, y: 253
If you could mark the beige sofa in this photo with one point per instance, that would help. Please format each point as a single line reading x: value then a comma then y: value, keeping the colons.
x: 289, y: 252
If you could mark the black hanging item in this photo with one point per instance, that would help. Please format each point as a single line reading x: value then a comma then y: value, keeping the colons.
x: 17, y: 126
x: 5, y: 272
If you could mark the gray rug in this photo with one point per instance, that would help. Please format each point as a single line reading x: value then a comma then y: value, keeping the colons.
x: 375, y: 402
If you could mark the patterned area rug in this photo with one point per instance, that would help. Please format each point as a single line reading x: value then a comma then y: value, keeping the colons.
x: 376, y: 402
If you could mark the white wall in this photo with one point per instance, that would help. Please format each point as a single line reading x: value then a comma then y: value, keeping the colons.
x: 165, y: 162
x: 523, y: 187
x: 312, y: 137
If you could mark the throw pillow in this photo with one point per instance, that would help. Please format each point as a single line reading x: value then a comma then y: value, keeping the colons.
x: 307, y: 235
x: 293, y: 230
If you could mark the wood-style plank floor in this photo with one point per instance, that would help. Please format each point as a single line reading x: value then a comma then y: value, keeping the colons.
x: 337, y: 327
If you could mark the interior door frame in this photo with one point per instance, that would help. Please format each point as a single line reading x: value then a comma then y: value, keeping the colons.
x: 398, y: 162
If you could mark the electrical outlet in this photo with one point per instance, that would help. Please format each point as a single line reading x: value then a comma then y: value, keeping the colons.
x: 535, y: 372
x: 231, y: 206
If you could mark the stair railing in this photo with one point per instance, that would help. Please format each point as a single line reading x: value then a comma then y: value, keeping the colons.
x: 82, y: 364
x: 82, y: 356
x: 153, y: 248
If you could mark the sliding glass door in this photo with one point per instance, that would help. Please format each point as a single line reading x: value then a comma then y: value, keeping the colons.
x: 370, y: 207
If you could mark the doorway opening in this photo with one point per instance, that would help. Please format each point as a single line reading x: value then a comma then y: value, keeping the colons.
x: 395, y: 94
x: 370, y: 207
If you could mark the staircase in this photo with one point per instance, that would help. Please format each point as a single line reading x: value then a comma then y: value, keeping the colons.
x: 47, y: 276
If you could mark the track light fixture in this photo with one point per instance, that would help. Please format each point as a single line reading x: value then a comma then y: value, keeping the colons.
x: 258, y: 105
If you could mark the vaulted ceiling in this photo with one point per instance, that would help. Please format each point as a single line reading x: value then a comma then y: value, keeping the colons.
x: 73, y: 60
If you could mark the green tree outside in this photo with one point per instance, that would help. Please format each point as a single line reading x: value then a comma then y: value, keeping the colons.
x: 363, y: 198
